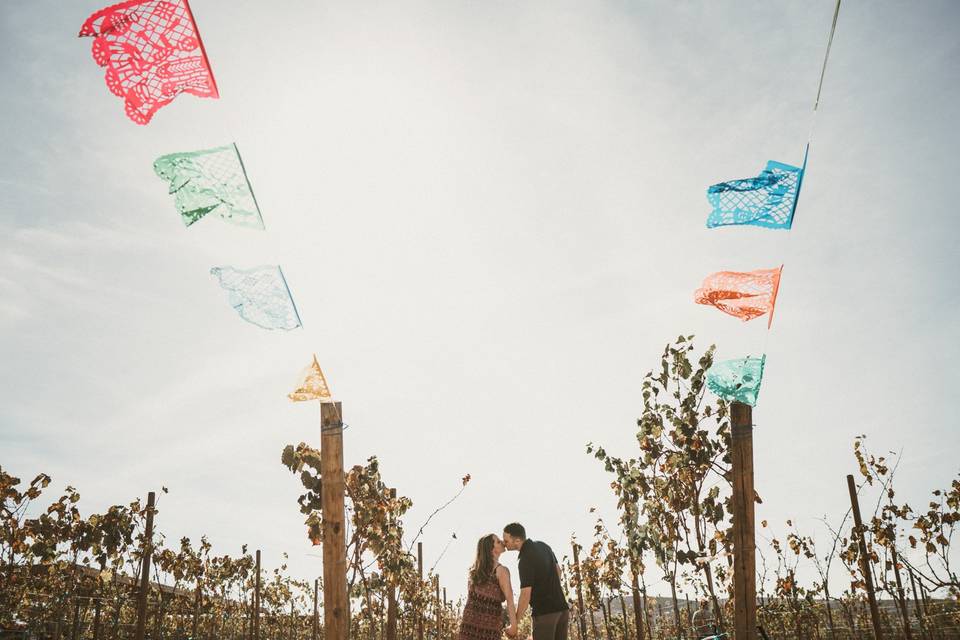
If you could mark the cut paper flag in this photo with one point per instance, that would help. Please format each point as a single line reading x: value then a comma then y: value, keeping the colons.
x: 152, y: 53
x: 737, y: 380
x: 210, y: 181
x: 312, y: 385
x: 744, y: 295
x: 260, y: 295
x: 768, y: 200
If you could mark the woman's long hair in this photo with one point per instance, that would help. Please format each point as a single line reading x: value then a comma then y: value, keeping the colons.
x: 482, y: 569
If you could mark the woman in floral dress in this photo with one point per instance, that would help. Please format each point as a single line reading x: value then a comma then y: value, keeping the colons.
x: 487, y: 588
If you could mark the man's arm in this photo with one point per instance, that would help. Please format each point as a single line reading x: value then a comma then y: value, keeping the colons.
x: 556, y: 564
x: 503, y: 577
x: 524, y: 602
x: 526, y: 571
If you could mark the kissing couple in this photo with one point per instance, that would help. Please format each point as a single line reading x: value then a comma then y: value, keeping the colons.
x: 489, y: 586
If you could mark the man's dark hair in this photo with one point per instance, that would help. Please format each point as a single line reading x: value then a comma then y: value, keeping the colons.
x: 516, y: 530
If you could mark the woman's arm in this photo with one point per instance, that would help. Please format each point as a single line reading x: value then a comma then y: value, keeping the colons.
x: 503, y: 577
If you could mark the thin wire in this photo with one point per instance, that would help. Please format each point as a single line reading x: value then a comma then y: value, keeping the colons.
x: 766, y: 339
x: 435, y: 512
x: 823, y: 69
x: 334, y: 428
x: 444, y: 552
x: 813, y: 120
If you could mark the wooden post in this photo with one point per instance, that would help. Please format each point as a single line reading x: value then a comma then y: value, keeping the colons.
x: 436, y: 600
x: 316, y: 610
x: 582, y: 611
x: 646, y: 607
x: 197, y: 603
x: 336, y: 612
x: 420, y: 573
x: 158, y: 616
x: 929, y: 613
x: 885, y: 618
x: 623, y: 612
x: 446, y: 603
x: 248, y: 624
x: 637, y: 605
x: 96, y: 617
x: 75, y: 630
x: 391, y: 612
x: 115, y: 618
x: 605, y: 610
x: 256, y: 601
x: 593, y: 625
x: 744, y: 541
x: 673, y: 598
x: 916, y: 604
x: 383, y: 611
x: 900, y: 591
x: 99, y: 602
x: 145, y: 570
x: 392, y: 593
x: 290, y: 634
x: 864, y: 560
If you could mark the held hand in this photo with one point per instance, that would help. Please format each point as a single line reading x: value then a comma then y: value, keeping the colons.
x: 512, y: 631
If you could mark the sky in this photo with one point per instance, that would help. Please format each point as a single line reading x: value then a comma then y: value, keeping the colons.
x: 491, y: 215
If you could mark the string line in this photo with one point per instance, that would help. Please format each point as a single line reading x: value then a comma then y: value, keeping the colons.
x: 823, y: 69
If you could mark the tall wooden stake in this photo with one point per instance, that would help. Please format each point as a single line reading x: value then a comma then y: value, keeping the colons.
x: 96, y: 619
x: 290, y: 631
x: 623, y: 612
x: 316, y: 609
x: 900, y: 591
x: 336, y: 612
x: 158, y: 616
x: 637, y: 604
x: 580, y: 609
x: 392, y: 594
x: 96, y: 609
x: 864, y: 560
x: 436, y: 600
x: 197, y: 603
x: 248, y: 626
x: 145, y: 570
x: 75, y: 630
x: 744, y: 541
x: 646, y: 607
x: 256, y: 601
x: 916, y: 603
x: 420, y: 573
x: 391, y: 612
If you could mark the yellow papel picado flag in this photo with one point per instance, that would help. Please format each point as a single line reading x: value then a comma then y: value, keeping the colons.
x: 313, y: 385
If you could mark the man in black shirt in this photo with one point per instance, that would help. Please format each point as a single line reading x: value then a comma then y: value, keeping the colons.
x: 539, y: 585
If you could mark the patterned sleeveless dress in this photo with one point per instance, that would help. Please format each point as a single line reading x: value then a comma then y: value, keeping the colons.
x: 483, y: 614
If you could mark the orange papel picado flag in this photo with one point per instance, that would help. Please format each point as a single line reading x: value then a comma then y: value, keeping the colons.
x: 746, y: 295
x: 313, y: 385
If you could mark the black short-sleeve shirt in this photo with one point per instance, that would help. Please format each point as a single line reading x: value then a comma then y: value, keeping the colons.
x: 538, y: 569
